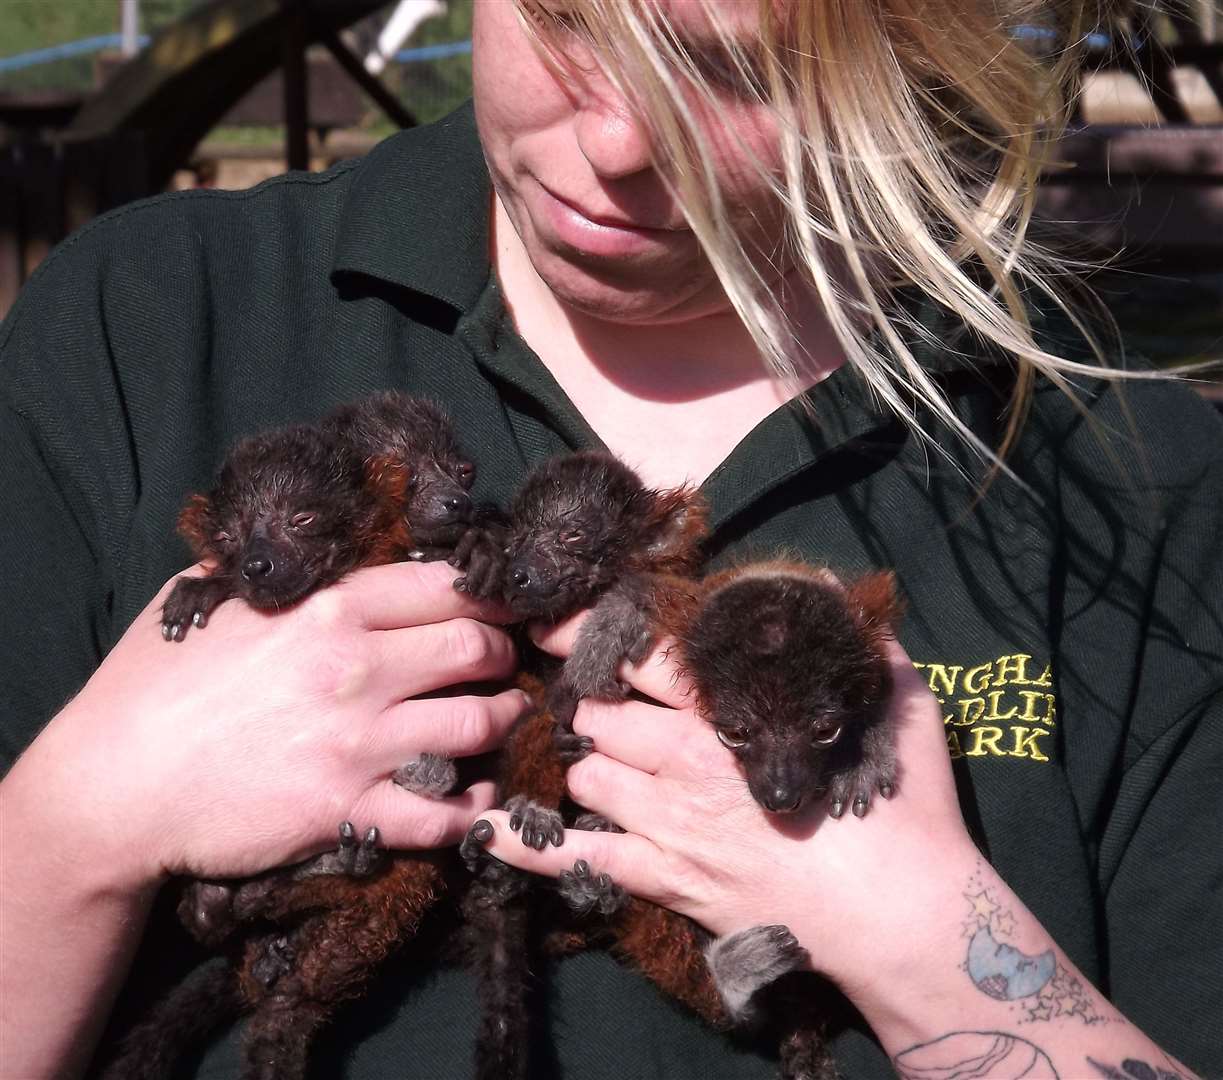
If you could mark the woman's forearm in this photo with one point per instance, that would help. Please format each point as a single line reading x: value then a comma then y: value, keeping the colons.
x: 973, y: 986
x: 73, y: 906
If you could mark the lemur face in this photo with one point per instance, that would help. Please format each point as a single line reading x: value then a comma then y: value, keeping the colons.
x: 788, y: 679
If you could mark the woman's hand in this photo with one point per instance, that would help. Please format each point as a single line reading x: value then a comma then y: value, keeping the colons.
x: 850, y: 889
x: 246, y: 745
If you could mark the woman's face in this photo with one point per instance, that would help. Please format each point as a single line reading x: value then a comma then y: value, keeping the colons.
x: 574, y: 173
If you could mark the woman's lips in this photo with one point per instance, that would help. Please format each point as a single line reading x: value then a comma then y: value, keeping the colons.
x: 603, y: 234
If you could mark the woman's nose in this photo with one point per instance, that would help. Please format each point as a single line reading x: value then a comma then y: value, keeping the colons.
x: 613, y: 140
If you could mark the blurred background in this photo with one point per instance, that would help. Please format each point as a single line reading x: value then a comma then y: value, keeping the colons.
x: 104, y: 101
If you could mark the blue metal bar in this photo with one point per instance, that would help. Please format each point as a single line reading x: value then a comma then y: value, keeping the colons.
x: 65, y: 51
x: 432, y: 52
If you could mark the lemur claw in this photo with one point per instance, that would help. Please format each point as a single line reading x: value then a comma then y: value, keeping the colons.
x: 585, y: 892
x: 540, y: 826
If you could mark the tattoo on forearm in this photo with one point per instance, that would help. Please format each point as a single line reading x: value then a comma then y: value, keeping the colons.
x: 1042, y: 988
x: 976, y: 1055
x: 1133, y: 1069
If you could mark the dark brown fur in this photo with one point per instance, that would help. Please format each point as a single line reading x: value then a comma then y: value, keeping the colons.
x: 379, y: 480
x: 584, y: 532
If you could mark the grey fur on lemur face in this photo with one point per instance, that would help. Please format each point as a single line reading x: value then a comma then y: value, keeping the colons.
x: 788, y: 669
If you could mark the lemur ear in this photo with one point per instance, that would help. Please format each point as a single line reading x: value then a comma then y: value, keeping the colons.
x: 876, y: 602
x: 195, y: 525
x: 677, y: 523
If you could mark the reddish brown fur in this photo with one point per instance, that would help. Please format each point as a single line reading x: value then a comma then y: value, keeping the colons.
x: 666, y: 949
x: 360, y: 923
x: 681, y: 555
x: 530, y: 765
x: 193, y: 527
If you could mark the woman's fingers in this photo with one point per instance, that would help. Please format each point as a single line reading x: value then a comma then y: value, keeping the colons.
x: 410, y: 822
x: 421, y: 659
x: 657, y: 676
x: 631, y: 861
x: 451, y: 726
x: 406, y: 594
x: 653, y: 738
x: 631, y: 798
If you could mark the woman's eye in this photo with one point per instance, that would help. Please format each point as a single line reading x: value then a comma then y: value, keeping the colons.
x: 826, y: 734
x: 733, y: 738
x: 223, y: 538
x: 300, y: 521
x: 573, y: 536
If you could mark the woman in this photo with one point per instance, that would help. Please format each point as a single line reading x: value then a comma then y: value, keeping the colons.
x: 678, y: 191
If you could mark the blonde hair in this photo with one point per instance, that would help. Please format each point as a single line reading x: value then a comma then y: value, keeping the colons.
x: 912, y: 134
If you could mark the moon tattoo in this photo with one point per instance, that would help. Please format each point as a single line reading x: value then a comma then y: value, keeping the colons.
x: 1003, y: 972
x: 975, y: 1055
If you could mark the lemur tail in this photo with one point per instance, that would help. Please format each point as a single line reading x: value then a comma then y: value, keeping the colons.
x: 497, y: 920
x: 207, y: 998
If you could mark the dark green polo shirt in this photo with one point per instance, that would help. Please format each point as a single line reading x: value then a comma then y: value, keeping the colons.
x: 1071, y: 625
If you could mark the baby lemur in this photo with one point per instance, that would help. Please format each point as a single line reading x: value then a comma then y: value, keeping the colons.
x: 584, y: 531
x: 788, y: 666
x: 296, y: 509
x: 292, y: 511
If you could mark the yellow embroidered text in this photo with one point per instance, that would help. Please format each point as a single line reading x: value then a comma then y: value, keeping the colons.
x: 1002, y: 708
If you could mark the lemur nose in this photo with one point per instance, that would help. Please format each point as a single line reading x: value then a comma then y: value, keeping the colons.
x: 783, y: 800
x: 258, y: 567
x: 521, y: 578
x: 457, y: 504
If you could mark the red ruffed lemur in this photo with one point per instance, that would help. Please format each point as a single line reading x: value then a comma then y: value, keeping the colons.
x: 584, y: 532
x: 292, y: 511
x: 788, y: 666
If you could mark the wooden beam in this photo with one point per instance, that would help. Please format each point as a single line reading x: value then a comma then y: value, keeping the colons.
x: 383, y: 98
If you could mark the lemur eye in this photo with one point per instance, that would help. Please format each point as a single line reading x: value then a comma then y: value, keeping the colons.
x: 300, y: 521
x: 733, y: 738
x: 573, y: 536
x: 825, y: 733
x: 467, y: 473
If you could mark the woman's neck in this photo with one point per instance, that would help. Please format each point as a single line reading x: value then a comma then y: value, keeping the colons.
x: 672, y: 399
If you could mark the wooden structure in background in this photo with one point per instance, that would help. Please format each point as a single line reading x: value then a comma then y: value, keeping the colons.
x: 63, y: 162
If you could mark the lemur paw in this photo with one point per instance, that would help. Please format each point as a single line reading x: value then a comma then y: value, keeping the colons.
x: 207, y: 911
x: 274, y: 961
x: 586, y: 892
x: 189, y: 604
x: 471, y: 850
x: 482, y: 556
x: 595, y: 823
x: 429, y: 775
x: 856, y: 786
x: 496, y: 883
x: 743, y: 962
x: 540, y: 825
x: 350, y: 859
x: 570, y: 746
x: 640, y: 648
